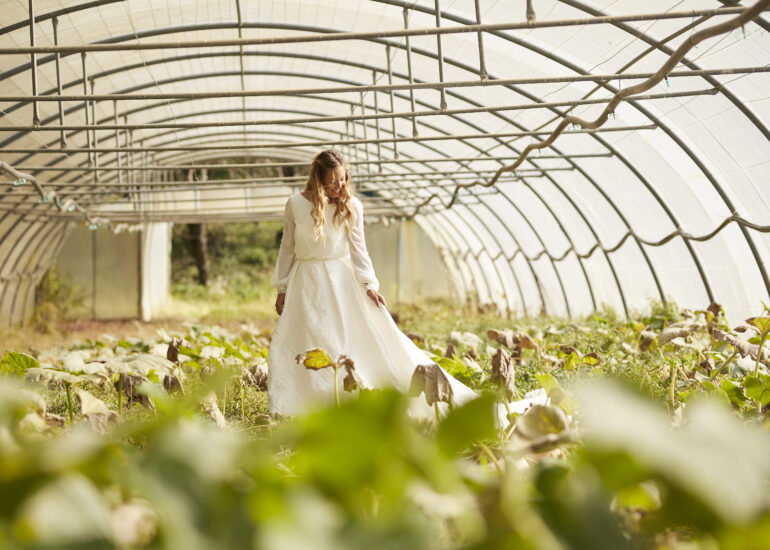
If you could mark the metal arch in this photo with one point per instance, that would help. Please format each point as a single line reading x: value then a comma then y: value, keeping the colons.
x: 591, y: 228
x: 428, y: 126
x: 706, y: 172
x: 439, y: 237
x: 465, y: 267
x: 500, y: 247
x: 565, y: 63
x: 495, y: 266
x: 39, y: 235
x: 567, y: 236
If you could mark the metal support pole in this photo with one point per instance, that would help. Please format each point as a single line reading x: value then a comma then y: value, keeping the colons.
x: 443, y: 105
x: 409, y: 70
x: 366, y: 138
x: 85, y: 106
x: 483, y: 74
x: 93, y: 132
x: 117, y: 143
x: 392, y: 106
x: 377, y: 125
x: 63, y: 136
x: 35, y: 112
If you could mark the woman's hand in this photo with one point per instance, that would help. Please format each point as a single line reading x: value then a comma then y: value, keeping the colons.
x: 376, y: 297
x: 279, y: 302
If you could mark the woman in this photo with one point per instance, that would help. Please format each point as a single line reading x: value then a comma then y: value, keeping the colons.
x: 328, y: 298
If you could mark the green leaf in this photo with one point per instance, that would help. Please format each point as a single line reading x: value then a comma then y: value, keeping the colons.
x: 591, y: 359
x: 571, y: 361
x: 315, y: 358
x: 734, y: 392
x: 756, y: 389
x: 17, y: 363
x: 463, y: 425
x: 548, y: 382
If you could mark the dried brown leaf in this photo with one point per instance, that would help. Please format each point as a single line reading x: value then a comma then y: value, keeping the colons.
x: 430, y: 380
x: 503, y: 373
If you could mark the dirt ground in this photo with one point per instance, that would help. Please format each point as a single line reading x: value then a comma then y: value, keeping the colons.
x: 32, y: 339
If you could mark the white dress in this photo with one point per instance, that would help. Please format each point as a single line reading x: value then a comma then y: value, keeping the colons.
x: 326, y: 306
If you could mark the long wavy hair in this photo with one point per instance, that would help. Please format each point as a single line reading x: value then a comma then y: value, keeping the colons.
x: 323, y: 163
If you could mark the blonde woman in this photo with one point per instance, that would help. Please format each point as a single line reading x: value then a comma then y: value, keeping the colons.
x: 328, y: 297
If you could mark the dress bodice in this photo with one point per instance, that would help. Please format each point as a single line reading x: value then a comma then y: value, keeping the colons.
x: 297, y: 242
x: 335, y: 245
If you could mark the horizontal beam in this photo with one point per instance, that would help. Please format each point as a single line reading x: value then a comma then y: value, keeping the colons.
x: 384, y: 88
x: 320, y: 143
x: 274, y: 181
x: 304, y: 163
x: 399, y: 33
x: 346, y: 118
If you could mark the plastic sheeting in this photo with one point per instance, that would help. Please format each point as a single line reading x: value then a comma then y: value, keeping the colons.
x: 564, y: 234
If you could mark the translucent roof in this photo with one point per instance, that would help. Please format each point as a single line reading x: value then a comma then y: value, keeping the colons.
x: 669, y: 198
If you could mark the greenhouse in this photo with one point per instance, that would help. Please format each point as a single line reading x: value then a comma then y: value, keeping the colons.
x: 580, y: 185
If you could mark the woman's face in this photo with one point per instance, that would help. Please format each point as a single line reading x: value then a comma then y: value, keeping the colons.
x: 335, y: 182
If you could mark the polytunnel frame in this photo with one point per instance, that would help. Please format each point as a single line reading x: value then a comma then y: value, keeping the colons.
x: 610, y: 202
x: 566, y: 301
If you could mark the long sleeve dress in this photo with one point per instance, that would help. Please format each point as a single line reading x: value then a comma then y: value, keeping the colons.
x: 326, y: 306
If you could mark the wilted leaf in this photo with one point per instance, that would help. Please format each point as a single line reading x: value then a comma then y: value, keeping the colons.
x: 351, y: 381
x: 212, y: 352
x: 172, y: 383
x: 74, y: 362
x: 677, y: 330
x: 259, y: 372
x: 762, y: 323
x: 430, y: 380
x: 315, y: 358
x: 416, y: 338
x: 647, y: 339
x: 130, y: 384
x: 50, y: 375
x: 95, y: 411
x: 503, y: 373
x: 541, y: 420
x: 465, y: 339
x: 140, y: 363
x: 542, y: 428
x: 743, y: 347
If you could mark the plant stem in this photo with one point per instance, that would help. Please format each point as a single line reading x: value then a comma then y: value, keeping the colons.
x: 436, y: 409
x: 336, y: 388
x: 759, y: 353
x: 224, y: 401
x: 673, y: 384
x: 727, y: 363
x: 243, y: 413
x: 120, y: 395
x: 491, y: 456
x: 69, y: 402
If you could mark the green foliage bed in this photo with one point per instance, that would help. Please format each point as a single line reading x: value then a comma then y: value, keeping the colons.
x: 656, y: 436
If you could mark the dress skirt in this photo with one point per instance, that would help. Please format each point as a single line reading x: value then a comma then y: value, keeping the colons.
x: 327, y: 307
